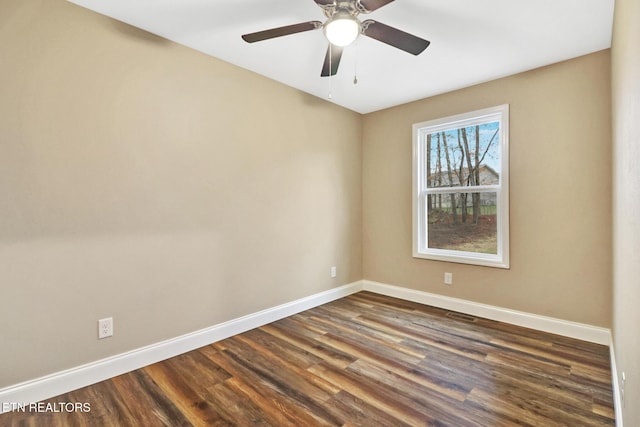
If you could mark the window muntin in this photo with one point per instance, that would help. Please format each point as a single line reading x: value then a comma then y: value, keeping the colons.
x: 461, y: 188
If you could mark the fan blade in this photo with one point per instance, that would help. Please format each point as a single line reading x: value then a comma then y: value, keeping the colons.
x: 325, y: 2
x: 372, y: 5
x: 394, y: 37
x: 281, y: 31
x: 335, y: 53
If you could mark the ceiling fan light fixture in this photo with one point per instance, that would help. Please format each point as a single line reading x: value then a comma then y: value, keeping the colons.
x: 342, y: 29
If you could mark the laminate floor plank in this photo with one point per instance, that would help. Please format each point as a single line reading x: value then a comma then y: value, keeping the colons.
x: 439, y: 403
x: 363, y: 360
x: 237, y: 406
x: 287, y: 378
x: 191, y: 403
x: 268, y: 387
x: 282, y: 349
x: 356, y: 412
x: 375, y: 394
x: 138, y: 389
x: 310, y: 344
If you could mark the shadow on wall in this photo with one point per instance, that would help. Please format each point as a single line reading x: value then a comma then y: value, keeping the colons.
x: 133, y: 33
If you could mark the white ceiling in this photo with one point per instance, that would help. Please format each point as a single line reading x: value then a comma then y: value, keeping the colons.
x: 472, y: 41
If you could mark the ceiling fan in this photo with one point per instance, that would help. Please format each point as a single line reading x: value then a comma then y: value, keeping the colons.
x: 343, y: 26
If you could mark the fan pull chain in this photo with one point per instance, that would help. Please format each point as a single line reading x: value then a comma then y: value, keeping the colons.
x: 330, y: 73
x: 355, y: 65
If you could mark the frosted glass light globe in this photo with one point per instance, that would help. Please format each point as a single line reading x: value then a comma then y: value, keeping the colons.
x: 342, y: 29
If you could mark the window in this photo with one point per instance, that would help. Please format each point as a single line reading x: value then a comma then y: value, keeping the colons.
x: 461, y: 188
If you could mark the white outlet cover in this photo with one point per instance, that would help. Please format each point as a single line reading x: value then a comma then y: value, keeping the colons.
x: 105, y: 328
x: 448, y: 278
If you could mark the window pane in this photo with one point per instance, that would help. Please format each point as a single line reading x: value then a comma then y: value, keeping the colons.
x: 461, y: 188
x: 464, y: 156
x: 463, y: 222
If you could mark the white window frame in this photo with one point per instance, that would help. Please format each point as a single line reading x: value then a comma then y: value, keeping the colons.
x: 420, y: 190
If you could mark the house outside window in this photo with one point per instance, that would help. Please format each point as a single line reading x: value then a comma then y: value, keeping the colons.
x: 461, y: 188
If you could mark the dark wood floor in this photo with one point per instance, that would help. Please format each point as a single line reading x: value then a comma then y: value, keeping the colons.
x: 364, y: 360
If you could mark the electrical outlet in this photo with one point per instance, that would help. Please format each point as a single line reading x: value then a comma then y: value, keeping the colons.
x: 334, y: 272
x: 105, y: 328
x: 448, y: 278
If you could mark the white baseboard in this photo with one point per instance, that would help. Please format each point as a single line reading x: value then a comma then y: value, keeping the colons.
x: 566, y: 328
x: 65, y: 381
x: 617, y: 398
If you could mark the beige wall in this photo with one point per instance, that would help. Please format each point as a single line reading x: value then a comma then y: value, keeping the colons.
x: 145, y: 181
x: 560, y: 210
x: 626, y: 208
